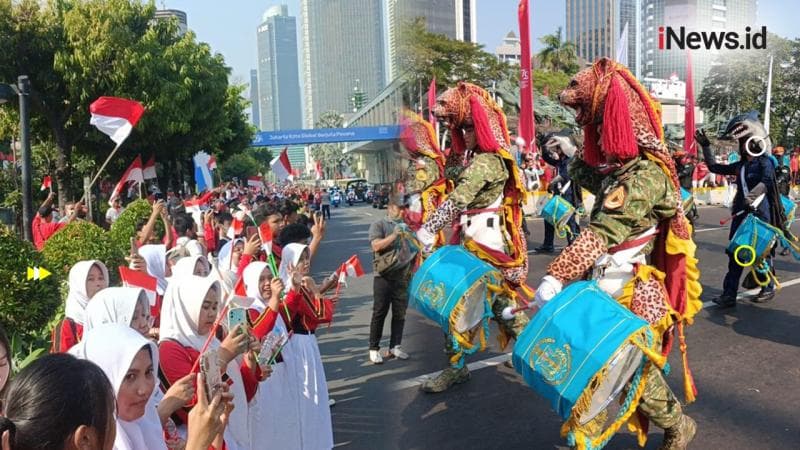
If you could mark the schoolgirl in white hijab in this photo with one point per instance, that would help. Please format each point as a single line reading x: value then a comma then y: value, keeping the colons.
x: 227, y: 264
x: 191, y: 265
x: 86, y: 278
x: 156, y: 258
x: 313, y: 429
x: 182, y: 315
x: 123, y: 305
x: 130, y: 362
x: 274, y: 413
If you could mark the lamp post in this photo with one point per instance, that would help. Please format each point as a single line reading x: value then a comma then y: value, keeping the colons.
x: 7, y: 93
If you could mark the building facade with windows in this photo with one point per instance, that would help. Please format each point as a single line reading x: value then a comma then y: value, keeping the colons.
x: 279, y: 101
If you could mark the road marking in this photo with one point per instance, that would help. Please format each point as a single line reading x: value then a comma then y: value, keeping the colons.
x: 700, y: 230
x: 499, y: 359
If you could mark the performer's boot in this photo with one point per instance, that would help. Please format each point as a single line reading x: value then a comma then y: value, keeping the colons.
x: 445, y: 379
x: 680, y: 435
x: 450, y: 375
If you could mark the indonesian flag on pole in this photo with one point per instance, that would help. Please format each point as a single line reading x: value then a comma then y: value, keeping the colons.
x: 134, y: 278
x: 47, y: 183
x: 255, y: 182
x: 149, y: 169
x: 237, y: 225
x: 281, y: 166
x: 115, y: 116
x: 212, y: 162
x: 133, y: 174
x: 318, y: 169
x: 265, y: 234
x: 350, y: 268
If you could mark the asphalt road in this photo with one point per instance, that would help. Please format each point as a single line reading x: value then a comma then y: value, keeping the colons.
x: 746, y: 363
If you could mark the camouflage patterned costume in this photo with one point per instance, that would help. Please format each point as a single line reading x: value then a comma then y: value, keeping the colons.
x: 491, y: 182
x: 636, y: 189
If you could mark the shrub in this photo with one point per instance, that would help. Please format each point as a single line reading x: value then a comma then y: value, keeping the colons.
x: 124, y: 228
x: 26, y: 306
x: 80, y: 241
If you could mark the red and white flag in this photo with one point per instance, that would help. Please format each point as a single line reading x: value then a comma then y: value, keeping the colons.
x: 47, y: 183
x: 255, y: 182
x: 237, y: 225
x: 318, y: 169
x: 281, y: 166
x: 265, y: 234
x: 212, y: 163
x: 149, y: 169
x: 115, y: 116
x: 134, y: 278
x: 133, y: 174
x: 350, y: 268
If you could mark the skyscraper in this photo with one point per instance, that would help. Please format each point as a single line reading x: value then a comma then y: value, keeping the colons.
x: 180, y: 16
x: 279, y: 101
x: 342, y: 43
x: 694, y: 15
x: 255, y: 117
x: 452, y: 18
x: 595, y: 26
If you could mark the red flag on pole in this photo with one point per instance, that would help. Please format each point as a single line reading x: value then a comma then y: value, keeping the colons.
x: 281, y: 166
x: 688, y: 137
x: 134, y: 278
x: 115, y: 116
x: 47, y: 183
x: 526, y: 125
x: 133, y: 173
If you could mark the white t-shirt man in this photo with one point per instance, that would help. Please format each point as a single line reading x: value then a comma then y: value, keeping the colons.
x: 113, y: 214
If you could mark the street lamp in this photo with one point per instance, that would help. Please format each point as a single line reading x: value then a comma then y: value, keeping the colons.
x: 7, y: 93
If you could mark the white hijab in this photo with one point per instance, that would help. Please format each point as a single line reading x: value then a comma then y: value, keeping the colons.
x: 113, y: 305
x: 180, y: 312
x: 290, y: 254
x: 155, y: 255
x: 77, y: 299
x: 185, y: 266
x: 251, y: 275
x: 113, y: 347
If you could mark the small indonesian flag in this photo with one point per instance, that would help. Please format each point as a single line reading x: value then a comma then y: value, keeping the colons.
x: 318, y: 169
x: 240, y: 289
x: 115, y: 116
x: 350, y: 268
x: 212, y: 162
x: 265, y: 234
x: 237, y: 226
x: 134, y: 278
x: 132, y: 174
x: 149, y: 169
x: 47, y: 183
x: 255, y: 182
x: 281, y: 166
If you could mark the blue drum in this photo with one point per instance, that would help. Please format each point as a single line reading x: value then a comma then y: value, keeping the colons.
x: 753, y: 240
x: 687, y: 200
x: 557, y: 212
x: 581, y: 349
x: 789, y: 208
x: 456, y: 290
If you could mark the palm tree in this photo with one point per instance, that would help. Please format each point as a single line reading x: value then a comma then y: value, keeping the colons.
x: 558, y: 55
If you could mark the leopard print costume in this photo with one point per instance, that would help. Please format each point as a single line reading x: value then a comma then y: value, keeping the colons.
x: 648, y: 300
x: 578, y: 258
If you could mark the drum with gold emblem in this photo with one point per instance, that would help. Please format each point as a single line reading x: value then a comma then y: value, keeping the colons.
x: 581, y: 350
x: 456, y: 290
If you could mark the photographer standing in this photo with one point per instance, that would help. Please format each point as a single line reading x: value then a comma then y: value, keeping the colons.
x: 392, y: 260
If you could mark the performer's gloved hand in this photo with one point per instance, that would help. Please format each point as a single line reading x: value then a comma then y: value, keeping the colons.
x: 548, y: 288
x: 581, y: 210
x: 426, y: 238
x: 701, y: 138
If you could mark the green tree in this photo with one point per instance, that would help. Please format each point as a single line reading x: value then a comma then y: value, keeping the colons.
x: 738, y: 83
x: 331, y: 155
x: 558, y: 55
x: 240, y: 165
x: 427, y: 55
x: 75, y: 51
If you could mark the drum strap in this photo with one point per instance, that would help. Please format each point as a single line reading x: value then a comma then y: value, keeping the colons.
x: 642, y: 240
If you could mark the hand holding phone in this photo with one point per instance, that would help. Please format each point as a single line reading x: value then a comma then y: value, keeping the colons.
x: 237, y: 316
x: 209, y: 365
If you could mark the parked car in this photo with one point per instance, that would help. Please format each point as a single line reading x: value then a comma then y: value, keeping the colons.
x: 380, y: 196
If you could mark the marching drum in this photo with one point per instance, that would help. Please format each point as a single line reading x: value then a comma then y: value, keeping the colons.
x: 581, y: 350
x: 789, y: 208
x: 456, y: 290
x: 753, y: 240
x: 557, y: 212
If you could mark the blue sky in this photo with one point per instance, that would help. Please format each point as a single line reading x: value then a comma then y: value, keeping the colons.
x: 231, y: 30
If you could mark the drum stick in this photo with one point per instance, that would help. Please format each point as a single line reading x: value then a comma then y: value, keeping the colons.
x: 753, y: 205
x: 509, y: 312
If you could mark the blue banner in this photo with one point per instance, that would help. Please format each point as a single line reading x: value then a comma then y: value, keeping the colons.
x: 282, y: 138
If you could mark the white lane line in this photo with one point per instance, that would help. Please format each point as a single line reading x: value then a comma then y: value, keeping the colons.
x: 710, y: 229
x: 499, y: 359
